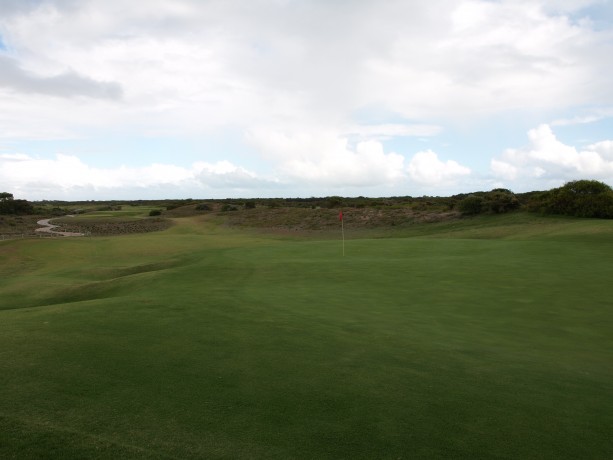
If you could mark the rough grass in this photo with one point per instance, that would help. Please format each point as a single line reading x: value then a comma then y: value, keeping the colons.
x: 13, y: 225
x: 320, y: 220
x: 482, y: 338
x: 112, y: 225
x: 129, y: 219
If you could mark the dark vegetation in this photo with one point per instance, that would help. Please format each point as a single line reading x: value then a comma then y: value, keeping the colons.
x: 112, y: 226
x: 9, y: 205
x: 581, y: 198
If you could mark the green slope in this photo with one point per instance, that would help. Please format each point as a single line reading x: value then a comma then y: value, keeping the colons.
x: 483, y: 338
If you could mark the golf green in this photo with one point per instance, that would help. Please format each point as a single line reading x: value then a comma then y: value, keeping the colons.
x: 204, y: 342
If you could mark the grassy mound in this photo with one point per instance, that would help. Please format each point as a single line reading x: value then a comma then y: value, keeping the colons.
x: 112, y: 225
x: 320, y: 220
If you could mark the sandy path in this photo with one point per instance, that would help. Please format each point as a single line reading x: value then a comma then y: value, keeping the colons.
x: 48, y: 227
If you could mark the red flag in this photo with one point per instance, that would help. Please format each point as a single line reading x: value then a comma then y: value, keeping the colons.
x: 340, y: 216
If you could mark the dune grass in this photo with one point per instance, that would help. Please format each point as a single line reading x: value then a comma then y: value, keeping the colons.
x: 484, y: 338
x: 126, y: 212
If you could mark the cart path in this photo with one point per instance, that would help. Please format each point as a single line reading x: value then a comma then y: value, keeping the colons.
x: 48, y: 227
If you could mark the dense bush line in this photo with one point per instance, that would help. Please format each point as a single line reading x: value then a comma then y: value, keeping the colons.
x: 498, y: 201
x: 580, y: 198
x: 9, y: 205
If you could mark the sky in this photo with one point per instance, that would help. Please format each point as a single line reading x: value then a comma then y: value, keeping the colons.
x: 167, y: 99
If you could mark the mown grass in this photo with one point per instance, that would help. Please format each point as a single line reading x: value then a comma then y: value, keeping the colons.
x: 482, y: 338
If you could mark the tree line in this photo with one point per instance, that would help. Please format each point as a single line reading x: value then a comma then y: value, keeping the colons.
x: 580, y: 198
x: 9, y: 205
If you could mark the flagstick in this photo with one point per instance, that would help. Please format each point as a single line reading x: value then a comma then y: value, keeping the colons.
x: 343, y: 231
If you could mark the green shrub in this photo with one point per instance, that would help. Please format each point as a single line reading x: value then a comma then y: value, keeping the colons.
x: 471, y: 205
x: 8, y: 205
x: 334, y: 202
x: 155, y: 212
x: 581, y: 198
x: 497, y: 201
x: 501, y: 200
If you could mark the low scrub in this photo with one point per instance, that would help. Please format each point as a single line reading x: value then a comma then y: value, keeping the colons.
x: 497, y: 201
x: 581, y: 198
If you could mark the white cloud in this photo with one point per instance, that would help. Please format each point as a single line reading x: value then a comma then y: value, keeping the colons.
x: 547, y: 158
x: 576, y: 120
x: 226, y: 175
x: 188, y: 68
x: 66, y: 175
x: 320, y: 157
x: 503, y: 169
x: 593, y: 116
x: 425, y: 168
x: 390, y: 130
x: 331, y: 167
x: 67, y: 84
x: 190, y: 63
x: 491, y: 56
x: 603, y: 148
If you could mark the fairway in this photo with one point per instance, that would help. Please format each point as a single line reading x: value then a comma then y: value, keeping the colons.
x: 207, y: 342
